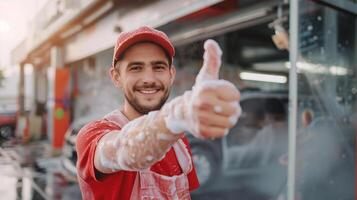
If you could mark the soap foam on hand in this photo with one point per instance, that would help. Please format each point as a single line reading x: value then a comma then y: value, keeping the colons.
x: 206, y: 78
x: 211, y: 62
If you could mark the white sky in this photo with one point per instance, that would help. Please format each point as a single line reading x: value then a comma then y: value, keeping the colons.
x: 15, y: 16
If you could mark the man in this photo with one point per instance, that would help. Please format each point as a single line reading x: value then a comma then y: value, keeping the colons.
x: 140, y: 151
x: 271, y: 142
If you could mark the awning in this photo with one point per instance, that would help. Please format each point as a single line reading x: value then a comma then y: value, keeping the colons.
x: 102, y: 35
x: 160, y: 13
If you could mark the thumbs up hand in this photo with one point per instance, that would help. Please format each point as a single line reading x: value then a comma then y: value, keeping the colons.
x: 212, y: 107
x: 211, y: 62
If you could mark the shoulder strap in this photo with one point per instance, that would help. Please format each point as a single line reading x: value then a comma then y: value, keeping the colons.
x: 117, y: 117
x: 183, y: 156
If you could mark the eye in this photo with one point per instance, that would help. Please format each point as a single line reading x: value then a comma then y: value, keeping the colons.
x: 135, y: 68
x: 160, y: 67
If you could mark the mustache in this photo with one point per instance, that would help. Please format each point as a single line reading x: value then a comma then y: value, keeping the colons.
x: 152, y: 86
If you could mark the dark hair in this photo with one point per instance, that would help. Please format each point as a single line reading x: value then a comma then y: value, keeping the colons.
x: 121, y: 57
x: 276, y: 108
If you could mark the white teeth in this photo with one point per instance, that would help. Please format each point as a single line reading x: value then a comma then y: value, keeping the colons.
x: 148, y: 91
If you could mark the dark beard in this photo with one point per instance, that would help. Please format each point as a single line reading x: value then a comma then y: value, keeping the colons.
x: 145, y: 110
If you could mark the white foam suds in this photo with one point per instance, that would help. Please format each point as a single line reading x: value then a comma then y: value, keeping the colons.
x: 218, y: 109
x: 235, y: 104
x: 130, y: 142
x: 233, y: 119
x: 104, y: 160
x: 214, y: 84
x: 131, y: 161
x: 176, y: 126
x: 164, y: 137
x: 226, y: 131
x: 140, y: 137
x: 124, y: 142
x: 213, y: 44
x: 149, y: 158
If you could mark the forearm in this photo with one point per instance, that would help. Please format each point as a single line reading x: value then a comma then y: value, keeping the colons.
x: 207, y: 112
x: 141, y: 143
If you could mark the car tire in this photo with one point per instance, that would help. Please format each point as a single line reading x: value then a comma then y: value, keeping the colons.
x: 206, y: 165
x: 6, y: 132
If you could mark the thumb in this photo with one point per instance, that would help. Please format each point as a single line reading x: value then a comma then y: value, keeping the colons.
x: 211, y: 62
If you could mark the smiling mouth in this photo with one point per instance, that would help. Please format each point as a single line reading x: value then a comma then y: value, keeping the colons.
x: 149, y: 91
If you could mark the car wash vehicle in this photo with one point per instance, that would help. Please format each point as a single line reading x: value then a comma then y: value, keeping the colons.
x: 7, y: 124
x: 238, y: 160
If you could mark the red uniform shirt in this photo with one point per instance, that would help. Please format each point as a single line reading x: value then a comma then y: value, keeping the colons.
x: 118, y: 185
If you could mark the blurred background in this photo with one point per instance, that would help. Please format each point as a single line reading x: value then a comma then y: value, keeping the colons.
x: 293, y: 61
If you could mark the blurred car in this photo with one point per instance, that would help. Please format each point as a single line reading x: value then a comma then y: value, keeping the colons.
x: 7, y: 124
x: 69, y: 153
x: 222, y: 158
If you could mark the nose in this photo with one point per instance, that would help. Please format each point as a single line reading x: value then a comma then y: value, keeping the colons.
x: 149, y: 76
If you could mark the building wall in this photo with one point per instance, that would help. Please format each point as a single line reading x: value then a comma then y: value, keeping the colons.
x: 96, y: 93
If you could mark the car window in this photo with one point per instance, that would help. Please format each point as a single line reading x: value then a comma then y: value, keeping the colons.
x: 249, y: 124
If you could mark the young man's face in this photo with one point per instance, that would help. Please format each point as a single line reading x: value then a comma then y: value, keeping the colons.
x: 145, y: 76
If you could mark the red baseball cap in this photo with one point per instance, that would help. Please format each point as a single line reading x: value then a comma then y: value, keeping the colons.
x: 142, y: 34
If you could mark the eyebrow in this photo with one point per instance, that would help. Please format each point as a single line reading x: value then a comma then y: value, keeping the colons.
x: 135, y: 63
x: 158, y: 62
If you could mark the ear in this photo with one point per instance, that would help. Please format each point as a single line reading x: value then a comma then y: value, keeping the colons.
x: 172, y: 74
x: 115, y: 76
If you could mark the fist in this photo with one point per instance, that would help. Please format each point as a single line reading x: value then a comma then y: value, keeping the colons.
x: 214, y: 106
